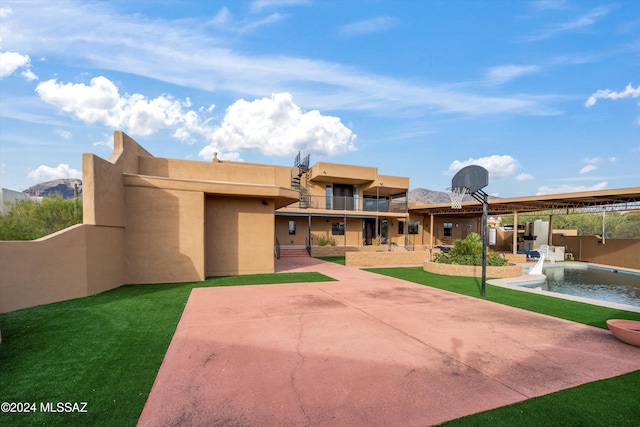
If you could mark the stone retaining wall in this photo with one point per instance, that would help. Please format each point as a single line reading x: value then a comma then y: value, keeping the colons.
x: 472, y: 270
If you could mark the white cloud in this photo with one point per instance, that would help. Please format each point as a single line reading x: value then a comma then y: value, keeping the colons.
x: 498, y: 166
x: 587, y: 169
x: 5, y: 11
x: 505, y: 73
x: 524, y: 177
x: 64, y: 134
x: 587, y: 20
x: 189, y: 52
x: 549, y: 4
x: 100, y: 102
x: 10, y: 62
x: 46, y: 173
x: 613, y: 159
x: 277, y: 126
x: 374, y: 25
x: 29, y: 75
x: 591, y: 160
x: 258, y: 5
x: 107, y: 141
x: 628, y: 92
x: 570, y: 188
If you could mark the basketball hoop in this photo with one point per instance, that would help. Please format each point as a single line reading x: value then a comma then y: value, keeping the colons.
x: 471, y: 180
x: 456, y: 194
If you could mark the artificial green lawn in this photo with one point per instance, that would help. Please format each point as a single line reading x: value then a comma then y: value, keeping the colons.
x: 335, y: 259
x: 605, y: 403
x: 105, y: 350
x: 571, y: 310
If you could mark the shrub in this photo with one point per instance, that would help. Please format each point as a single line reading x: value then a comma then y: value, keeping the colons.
x: 469, y: 252
x: 29, y: 220
x: 321, y: 240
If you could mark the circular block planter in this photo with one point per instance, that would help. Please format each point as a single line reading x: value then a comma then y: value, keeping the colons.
x: 627, y: 331
x: 510, y: 270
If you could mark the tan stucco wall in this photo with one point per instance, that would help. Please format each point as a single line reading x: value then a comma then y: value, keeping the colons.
x: 145, y: 223
x: 472, y: 270
x: 300, y: 236
x: 335, y: 172
x: 239, y: 236
x: 59, y: 266
x: 103, y: 190
x: 164, y: 239
x: 248, y: 173
x: 615, y: 252
x: 368, y: 259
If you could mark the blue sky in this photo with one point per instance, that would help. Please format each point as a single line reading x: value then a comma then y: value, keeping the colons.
x: 544, y: 94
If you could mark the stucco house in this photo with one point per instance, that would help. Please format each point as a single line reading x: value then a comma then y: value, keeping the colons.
x: 150, y: 220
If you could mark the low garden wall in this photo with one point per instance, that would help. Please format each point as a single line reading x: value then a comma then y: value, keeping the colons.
x: 320, y: 251
x: 370, y: 259
x: 472, y: 270
x: 516, y: 258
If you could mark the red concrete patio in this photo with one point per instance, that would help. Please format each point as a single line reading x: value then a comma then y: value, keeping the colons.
x: 364, y: 350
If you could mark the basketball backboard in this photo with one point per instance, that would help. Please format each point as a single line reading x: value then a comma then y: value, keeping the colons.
x: 472, y: 177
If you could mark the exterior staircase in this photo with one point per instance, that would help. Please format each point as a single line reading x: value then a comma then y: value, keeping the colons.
x: 300, y: 167
x: 293, y: 253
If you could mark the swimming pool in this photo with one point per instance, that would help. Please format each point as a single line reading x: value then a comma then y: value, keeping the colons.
x: 593, y: 282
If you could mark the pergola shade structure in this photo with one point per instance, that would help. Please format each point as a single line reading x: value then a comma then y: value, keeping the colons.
x: 617, y: 199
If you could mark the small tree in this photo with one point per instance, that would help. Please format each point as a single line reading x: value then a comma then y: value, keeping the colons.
x: 469, y: 252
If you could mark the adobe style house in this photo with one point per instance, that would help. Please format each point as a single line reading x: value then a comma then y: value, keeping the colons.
x: 150, y: 220
x: 348, y: 205
x: 155, y: 220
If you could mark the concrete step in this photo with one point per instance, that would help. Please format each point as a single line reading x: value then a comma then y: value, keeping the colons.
x: 293, y: 253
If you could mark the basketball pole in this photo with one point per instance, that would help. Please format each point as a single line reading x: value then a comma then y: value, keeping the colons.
x: 485, y: 211
x: 483, y: 198
x: 473, y: 179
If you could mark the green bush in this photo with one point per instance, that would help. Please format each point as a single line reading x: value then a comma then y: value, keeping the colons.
x: 321, y: 240
x: 469, y: 252
x: 29, y: 220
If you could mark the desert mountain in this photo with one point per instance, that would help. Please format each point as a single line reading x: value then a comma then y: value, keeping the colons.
x: 63, y: 187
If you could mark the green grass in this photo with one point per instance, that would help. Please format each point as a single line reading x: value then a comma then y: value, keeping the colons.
x: 614, y: 401
x: 105, y: 350
x: 611, y: 402
x: 336, y: 259
x: 571, y: 310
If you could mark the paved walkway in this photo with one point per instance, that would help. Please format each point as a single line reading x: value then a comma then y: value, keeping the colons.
x: 364, y: 350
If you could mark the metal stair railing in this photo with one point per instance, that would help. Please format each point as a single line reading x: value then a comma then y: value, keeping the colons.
x: 408, y: 245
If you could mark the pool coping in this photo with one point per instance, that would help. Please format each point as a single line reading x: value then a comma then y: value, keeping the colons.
x: 517, y: 283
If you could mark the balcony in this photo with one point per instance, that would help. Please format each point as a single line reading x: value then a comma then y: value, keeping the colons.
x: 395, y: 204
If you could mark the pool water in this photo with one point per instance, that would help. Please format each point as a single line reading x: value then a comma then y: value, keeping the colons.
x: 595, y: 283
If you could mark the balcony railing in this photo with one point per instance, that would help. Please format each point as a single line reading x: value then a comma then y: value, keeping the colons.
x: 356, y: 204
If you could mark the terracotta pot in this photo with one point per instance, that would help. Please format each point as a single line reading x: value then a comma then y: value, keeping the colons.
x: 627, y: 331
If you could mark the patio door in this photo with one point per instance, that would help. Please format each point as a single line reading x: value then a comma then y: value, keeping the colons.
x: 368, y: 231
